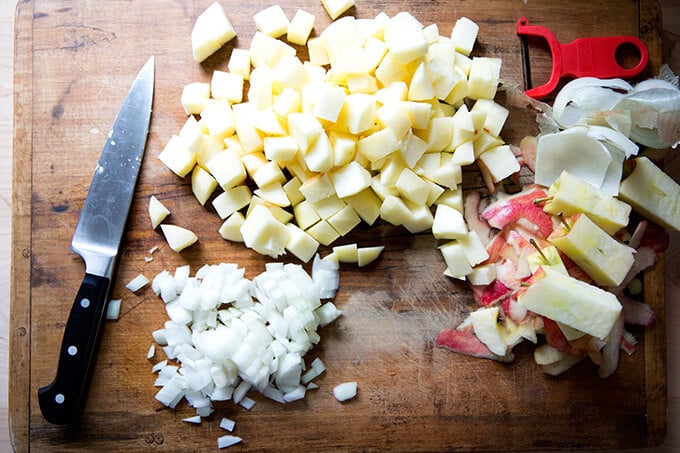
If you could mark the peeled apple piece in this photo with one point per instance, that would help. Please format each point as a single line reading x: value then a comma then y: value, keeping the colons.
x: 570, y: 195
x: 157, y: 211
x: 211, y: 31
x: 606, y: 260
x: 652, y: 193
x: 178, y: 238
x: 572, y: 302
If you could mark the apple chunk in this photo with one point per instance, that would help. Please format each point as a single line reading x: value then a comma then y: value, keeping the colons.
x: 573, y: 302
x: 211, y: 31
x: 157, y: 211
x: 178, y: 238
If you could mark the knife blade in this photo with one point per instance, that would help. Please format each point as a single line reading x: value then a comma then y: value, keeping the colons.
x: 97, y: 240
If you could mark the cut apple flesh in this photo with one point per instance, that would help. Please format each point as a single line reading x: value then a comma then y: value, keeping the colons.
x: 570, y: 195
x: 652, y: 193
x: 572, y: 302
x: 606, y: 260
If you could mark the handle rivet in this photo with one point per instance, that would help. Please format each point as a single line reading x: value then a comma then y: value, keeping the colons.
x: 72, y: 350
x: 85, y: 302
x: 59, y: 398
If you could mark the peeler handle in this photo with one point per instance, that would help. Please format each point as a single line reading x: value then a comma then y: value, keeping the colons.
x: 583, y: 57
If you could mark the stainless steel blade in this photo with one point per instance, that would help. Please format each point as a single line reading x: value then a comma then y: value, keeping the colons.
x: 104, y: 214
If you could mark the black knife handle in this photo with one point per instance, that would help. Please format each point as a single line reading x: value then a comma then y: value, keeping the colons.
x: 61, y: 401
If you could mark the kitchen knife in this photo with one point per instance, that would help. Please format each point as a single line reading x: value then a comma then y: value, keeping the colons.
x: 97, y: 240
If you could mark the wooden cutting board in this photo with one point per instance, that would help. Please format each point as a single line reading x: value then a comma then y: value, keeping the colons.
x: 74, y: 63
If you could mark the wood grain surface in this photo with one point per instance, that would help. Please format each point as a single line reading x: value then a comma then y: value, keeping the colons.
x: 73, y: 65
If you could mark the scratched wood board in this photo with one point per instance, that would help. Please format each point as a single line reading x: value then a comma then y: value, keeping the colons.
x: 74, y: 63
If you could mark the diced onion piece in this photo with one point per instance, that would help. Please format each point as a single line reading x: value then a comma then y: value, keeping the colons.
x: 227, y: 441
x: 113, y: 309
x: 195, y: 419
x: 152, y: 351
x: 227, y: 424
x: 345, y: 391
x: 137, y: 283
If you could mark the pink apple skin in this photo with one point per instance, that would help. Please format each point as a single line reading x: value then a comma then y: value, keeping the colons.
x: 556, y: 339
x: 503, y: 213
x: 471, y: 214
x: 466, y: 343
x: 490, y: 294
x: 637, y: 313
x: 513, y: 310
x: 612, y: 349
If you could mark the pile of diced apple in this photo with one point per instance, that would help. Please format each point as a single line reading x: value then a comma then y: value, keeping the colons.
x: 376, y: 125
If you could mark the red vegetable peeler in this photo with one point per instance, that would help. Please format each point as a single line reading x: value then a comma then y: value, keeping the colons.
x: 583, y: 57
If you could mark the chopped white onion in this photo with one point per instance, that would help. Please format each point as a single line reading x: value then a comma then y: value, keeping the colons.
x: 152, y: 351
x: 345, y: 391
x: 113, y: 309
x: 195, y: 419
x: 137, y: 283
x: 227, y: 441
x: 227, y: 424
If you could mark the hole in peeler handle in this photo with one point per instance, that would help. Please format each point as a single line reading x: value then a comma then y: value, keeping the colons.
x: 628, y: 55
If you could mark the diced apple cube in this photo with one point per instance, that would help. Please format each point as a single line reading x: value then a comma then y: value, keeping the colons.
x: 482, y: 275
x: 418, y: 113
x: 366, y: 204
x: 157, y: 212
x: 289, y: 72
x: 452, y: 198
x: 278, y: 212
x: 272, y: 21
x: 194, y: 97
x: 268, y: 51
x: 231, y: 228
x: 300, y: 27
x: 211, y: 31
x: 280, y: 149
x: 412, y: 150
x: 484, y: 76
x: 549, y: 257
x: 405, y: 39
x: 328, y: 206
x: 268, y: 173
x: 348, y: 253
x: 473, y: 248
x: 344, y: 220
x: 192, y: 134
x: 231, y: 200
x: 421, y: 218
x: 393, y: 92
x: 393, y: 116
x: 448, y: 223
x: 239, y: 62
x: 178, y: 238
x: 381, y: 190
x: 390, y: 70
x: 378, y: 145
x: 287, y: 102
x: 350, y: 179
x: 319, y: 156
x: 335, y: 8
x: 317, y: 52
x: 464, y: 154
x: 344, y: 147
x: 304, y: 128
x: 305, y: 214
x: 300, y: 243
x: 464, y: 34
x: 438, y: 134
x: 273, y: 193
x: 323, y: 232
x: 412, y: 187
x: 366, y: 255
x: 227, y: 169
x: 317, y: 188
x: 263, y: 233
x: 329, y: 102
x: 218, y: 118
x: 495, y: 115
x: 394, y: 210
x: 260, y: 93
x: 210, y: 148
x: 202, y: 184
x: 251, y: 139
x: 456, y: 262
x: 226, y: 85
x: 499, y: 162
x: 177, y: 157
x: 420, y: 88
x: 358, y: 112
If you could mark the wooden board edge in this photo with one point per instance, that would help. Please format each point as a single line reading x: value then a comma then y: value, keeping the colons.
x: 651, y: 32
x: 20, y: 273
